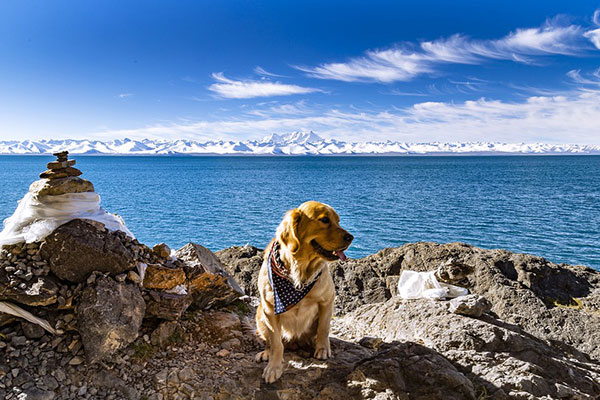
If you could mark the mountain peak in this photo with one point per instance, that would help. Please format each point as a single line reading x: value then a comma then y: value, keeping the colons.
x: 297, y: 137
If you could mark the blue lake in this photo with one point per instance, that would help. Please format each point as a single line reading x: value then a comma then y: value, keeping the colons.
x: 543, y: 205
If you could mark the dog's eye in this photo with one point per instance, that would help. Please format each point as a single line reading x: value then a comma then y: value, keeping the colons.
x: 325, y: 220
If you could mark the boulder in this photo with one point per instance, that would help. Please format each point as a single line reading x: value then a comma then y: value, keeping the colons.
x: 499, y: 358
x: 555, y: 302
x: 54, y: 187
x: 169, y: 306
x: 472, y: 305
x: 157, y: 276
x: 211, y: 290
x: 209, y: 282
x: 161, y: 250
x: 77, y: 248
x: 243, y: 263
x: 109, y: 316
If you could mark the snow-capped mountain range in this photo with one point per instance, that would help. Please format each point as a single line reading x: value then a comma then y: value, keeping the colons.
x: 295, y: 143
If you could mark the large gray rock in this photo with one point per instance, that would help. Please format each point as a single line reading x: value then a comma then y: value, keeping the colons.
x: 77, y: 248
x: 109, y: 316
x: 559, y: 303
x: 208, y: 281
x: 243, y: 263
x: 501, y: 359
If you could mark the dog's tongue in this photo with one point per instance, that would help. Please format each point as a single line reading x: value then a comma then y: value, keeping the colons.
x: 340, y: 254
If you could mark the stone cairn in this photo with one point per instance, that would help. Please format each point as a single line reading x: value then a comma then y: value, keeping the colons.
x: 94, y: 286
x: 61, y: 168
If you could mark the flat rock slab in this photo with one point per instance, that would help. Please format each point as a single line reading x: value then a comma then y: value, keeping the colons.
x: 40, y: 291
x: 499, y: 357
x: 77, y: 248
x: 55, y: 187
x: 109, y: 316
x: 158, y: 276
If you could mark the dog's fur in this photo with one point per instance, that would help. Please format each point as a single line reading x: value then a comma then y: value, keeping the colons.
x: 307, y: 323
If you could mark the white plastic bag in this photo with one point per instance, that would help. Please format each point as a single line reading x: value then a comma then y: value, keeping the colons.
x: 419, y: 285
x: 35, y: 218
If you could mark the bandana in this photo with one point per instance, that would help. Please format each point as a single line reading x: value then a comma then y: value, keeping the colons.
x: 286, y: 295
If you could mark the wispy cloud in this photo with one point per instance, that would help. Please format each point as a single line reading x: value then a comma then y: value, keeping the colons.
x: 124, y: 95
x: 261, y: 71
x: 570, y: 117
x: 237, y: 89
x: 404, y: 62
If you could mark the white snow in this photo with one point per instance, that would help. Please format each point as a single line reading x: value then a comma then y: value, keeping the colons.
x: 295, y: 143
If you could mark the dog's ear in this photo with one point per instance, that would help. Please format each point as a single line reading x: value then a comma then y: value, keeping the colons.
x: 287, y: 231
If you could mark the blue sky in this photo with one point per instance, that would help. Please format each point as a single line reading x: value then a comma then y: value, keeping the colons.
x: 526, y: 71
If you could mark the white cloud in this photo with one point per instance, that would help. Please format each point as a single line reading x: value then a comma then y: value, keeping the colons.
x: 124, y: 95
x: 261, y: 71
x: 233, y: 89
x: 594, y: 37
x: 403, y: 63
x: 568, y: 117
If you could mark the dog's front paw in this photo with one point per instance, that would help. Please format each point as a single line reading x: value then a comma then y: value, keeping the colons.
x: 322, y: 353
x: 272, y: 372
x: 262, y: 356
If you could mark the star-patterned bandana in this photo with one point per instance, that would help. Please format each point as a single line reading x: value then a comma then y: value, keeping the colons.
x: 285, y: 293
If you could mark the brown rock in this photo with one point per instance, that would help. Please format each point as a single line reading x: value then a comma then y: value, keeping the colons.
x: 61, y: 154
x: 167, y: 306
x: 160, y: 277
x: 60, y: 164
x: 210, y: 290
x: 161, y: 250
x: 77, y: 248
x: 161, y: 335
x: 60, y: 173
x: 54, y: 187
x: 109, y: 316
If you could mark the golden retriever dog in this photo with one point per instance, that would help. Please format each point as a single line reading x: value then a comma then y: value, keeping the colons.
x: 296, y: 288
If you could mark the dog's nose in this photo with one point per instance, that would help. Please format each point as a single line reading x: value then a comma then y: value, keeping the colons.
x: 348, y: 237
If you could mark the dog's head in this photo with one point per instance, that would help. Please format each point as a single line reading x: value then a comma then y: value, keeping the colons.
x: 313, y: 231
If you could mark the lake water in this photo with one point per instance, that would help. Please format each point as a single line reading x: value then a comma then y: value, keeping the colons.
x: 543, y: 205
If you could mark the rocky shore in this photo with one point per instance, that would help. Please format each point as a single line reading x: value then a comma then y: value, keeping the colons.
x: 102, y: 316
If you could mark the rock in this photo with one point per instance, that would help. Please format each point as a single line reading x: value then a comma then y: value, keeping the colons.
x: 60, y: 173
x: 37, y: 394
x: 18, y: 341
x: 200, y: 259
x: 560, y: 303
x: 134, y: 277
x: 162, y: 250
x: 169, y: 306
x: 46, y: 187
x: 472, y: 305
x: 497, y: 357
x: 60, y: 164
x: 160, y: 277
x: 76, y: 361
x: 32, y: 331
x: 77, y: 248
x: 223, y: 353
x: 211, y: 290
x: 162, y: 334
x: 243, y: 263
x: 109, y: 317
x: 41, y: 291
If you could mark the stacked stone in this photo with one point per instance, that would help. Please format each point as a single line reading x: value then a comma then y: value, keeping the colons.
x: 61, y: 168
